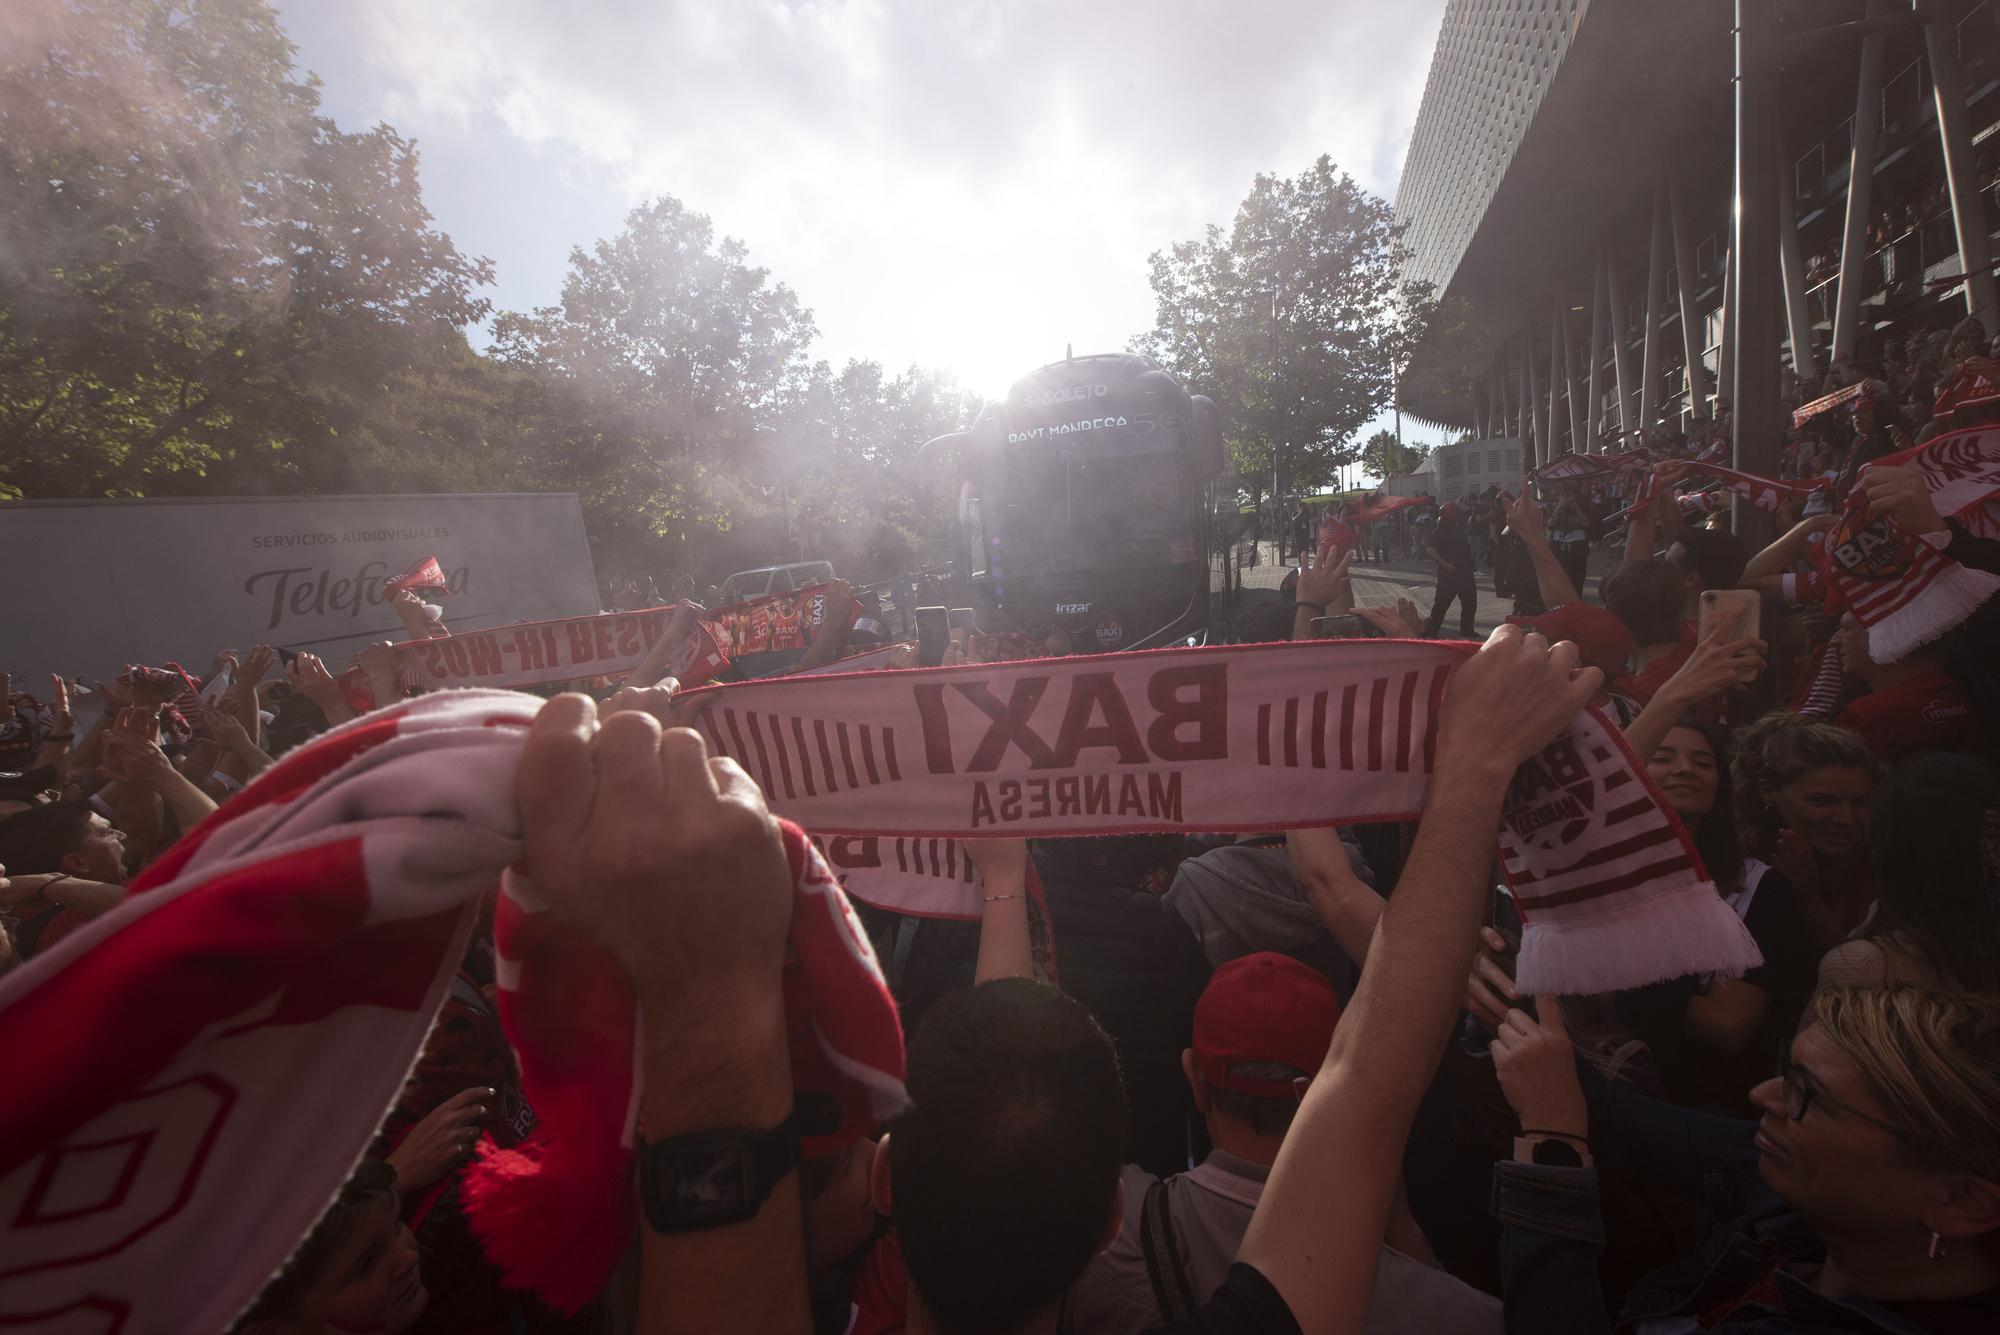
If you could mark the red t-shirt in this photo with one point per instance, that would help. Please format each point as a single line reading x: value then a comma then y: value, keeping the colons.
x: 1929, y: 712
x: 1646, y: 682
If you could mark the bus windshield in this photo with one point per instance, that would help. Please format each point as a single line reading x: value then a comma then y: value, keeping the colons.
x: 1062, y: 509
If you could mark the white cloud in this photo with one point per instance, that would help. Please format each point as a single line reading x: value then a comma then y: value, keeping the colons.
x: 967, y: 185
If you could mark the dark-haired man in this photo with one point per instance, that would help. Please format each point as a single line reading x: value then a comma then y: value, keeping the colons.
x: 61, y: 864
x: 356, y: 1271
x: 1261, y: 1031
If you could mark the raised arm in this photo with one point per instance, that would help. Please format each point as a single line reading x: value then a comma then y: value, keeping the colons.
x: 671, y: 863
x: 1005, y: 950
x: 1794, y: 544
x: 1525, y: 518
x: 1348, y: 908
x: 1316, y: 1234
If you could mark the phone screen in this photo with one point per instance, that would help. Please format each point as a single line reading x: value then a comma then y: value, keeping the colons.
x: 933, y: 635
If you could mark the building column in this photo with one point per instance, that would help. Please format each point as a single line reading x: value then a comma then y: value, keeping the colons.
x: 1534, y: 397
x: 1791, y: 262
x: 1556, y: 374
x: 1524, y: 422
x: 1754, y: 255
x: 1620, y: 355
x: 1961, y: 174
x: 1579, y: 419
x: 1725, y: 347
x: 1691, y: 349
x: 1595, y: 438
x: 1656, y: 290
x: 1860, y: 183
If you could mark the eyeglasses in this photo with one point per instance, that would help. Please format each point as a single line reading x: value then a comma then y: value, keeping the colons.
x: 1802, y: 1091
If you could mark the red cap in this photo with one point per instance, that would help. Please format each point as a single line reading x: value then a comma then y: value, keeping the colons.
x: 1264, y: 1007
x: 1601, y: 638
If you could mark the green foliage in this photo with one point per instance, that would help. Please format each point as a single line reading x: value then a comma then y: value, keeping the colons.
x: 1295, y: 321
x: 1384, y: 457
x: 203, y: 279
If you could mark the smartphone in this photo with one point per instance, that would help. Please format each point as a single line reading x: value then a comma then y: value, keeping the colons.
x: 1737, y: 611
x: 287, y: 656
x: 933, y: 635
x: 1347, y: 626
x: 961, y: 619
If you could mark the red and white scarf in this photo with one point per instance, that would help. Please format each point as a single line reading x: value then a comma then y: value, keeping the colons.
x: 1962, y: 473
x: 196, y: 1072
x: 1251, y: 737
x: 1762, y: 492
x: 1905, y: 590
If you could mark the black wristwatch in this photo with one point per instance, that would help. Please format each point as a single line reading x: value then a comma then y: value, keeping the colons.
x: 715, y: 1177
x: 1553, y: 1153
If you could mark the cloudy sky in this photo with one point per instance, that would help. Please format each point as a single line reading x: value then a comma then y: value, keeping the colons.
x: 962, y: 185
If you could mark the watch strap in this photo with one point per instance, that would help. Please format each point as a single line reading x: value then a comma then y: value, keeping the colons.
x: 766, y: 1155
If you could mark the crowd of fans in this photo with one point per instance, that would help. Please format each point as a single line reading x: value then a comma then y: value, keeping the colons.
x: 1228, y: 1111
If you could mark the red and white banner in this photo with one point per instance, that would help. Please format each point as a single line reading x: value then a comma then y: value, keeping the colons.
x: 1806, y: 412
x: 777, y: 622
x: 538, y: 653
x: 1571, y: 467
x: 1250, y: 737
x: 1763, y: 492
x: 1962, y: 473
x: 426, y: 574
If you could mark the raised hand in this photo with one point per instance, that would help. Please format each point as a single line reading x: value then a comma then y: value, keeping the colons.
x: 1718, y: 663
x: 1489, y: 991
x: 1537, y: 1072
x: 435, y: 1145
x: 1323, y: 583
x: 1525, y: 518
x: 1510, y: 699
x: 667, y: 859
x: 1900, y: 494
x: 256, y: 666
x: 132, y: 751
x: 59, y: 707
x: 1390, y: 621
x: 655, y: 700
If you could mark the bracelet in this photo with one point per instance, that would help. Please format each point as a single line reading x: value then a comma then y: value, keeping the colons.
x: 994, y: 899
x: 1317, y: 607
x: 1527, y: 1131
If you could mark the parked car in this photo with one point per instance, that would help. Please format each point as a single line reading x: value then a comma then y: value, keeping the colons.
x: 747, y: 584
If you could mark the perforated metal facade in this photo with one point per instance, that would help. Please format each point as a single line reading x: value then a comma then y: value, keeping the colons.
x: 1494, y: 61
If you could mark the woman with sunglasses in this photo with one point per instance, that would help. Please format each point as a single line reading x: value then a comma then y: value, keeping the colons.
x: 1865, y: 1198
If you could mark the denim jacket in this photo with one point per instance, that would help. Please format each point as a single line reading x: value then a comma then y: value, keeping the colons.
x: 1552, y: 1231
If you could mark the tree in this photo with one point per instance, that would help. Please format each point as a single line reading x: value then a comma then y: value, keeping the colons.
x: 674, y: 355
x: 1384, y: 456
x: 1289, y: 321
x: 205, y: 279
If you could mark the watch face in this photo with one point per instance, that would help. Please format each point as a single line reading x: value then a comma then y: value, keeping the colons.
x: 705, y: 1186
x: 1557, y: 1154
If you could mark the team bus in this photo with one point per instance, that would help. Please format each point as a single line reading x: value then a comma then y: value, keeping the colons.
x: 1081, y: 506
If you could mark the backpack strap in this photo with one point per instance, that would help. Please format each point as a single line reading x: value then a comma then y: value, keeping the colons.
x: 1164, y: 1267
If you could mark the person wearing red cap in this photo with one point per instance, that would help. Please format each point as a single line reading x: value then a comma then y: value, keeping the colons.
x: 1602, y: 642
x: 1261, y: 1029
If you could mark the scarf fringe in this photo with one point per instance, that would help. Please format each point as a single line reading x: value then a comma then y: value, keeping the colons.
x: 1954, y: 595
x: 1635, y: 942
x: 554, y: 1215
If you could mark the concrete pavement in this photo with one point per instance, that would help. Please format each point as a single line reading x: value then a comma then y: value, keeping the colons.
x: 1385, y: 582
